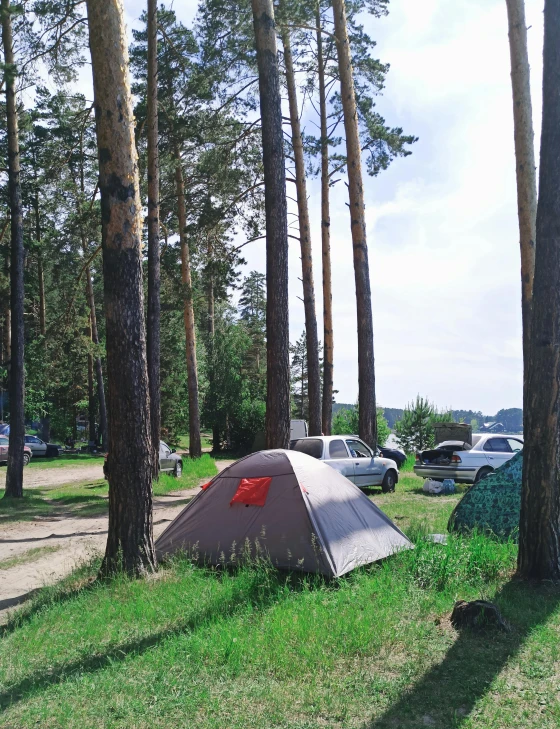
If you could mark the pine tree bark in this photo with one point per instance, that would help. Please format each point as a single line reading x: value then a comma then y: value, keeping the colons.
x: 130, y: 460
x: 14, y: 474
x: 525, y: 159
x: 539, y: 529
x: 195, y: 448
x: 102, y: 434
x: 211, y: 329
x: 277, y: 323
x: 91, y: 393
x: 154, y: 308
x: 328, y: 337
x: 312, y: 341
x: 45, y: 420
x: 366, y: 364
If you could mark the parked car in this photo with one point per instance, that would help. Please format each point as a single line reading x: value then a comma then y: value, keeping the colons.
x: 169, y: 461
x: 466, y: 463
x: 352, y: 458
x: 40, y: 448
x: 395, y: 455
x: 4, y: 443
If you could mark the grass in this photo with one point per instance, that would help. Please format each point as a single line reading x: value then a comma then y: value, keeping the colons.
x: 89, y: 498
x: 31, y: 555
x: 254, y: 648
x: 65, y: 460
x: 182, y: 443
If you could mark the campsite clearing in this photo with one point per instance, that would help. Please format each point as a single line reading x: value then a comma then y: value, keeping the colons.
x: 254, y: 648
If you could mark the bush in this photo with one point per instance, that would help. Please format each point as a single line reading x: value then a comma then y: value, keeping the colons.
x: 245, y: 422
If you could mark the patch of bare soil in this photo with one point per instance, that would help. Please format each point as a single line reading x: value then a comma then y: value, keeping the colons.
x: 38, y: 478
x: 78, y: 539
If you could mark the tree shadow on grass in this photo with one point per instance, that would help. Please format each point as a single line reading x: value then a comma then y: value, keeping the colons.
x: 446, y: 694
x: 261, y: 593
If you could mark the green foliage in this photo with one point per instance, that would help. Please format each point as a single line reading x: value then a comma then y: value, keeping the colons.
x: 346, y: 421
x: 299, y: 378
x: 247, y: 420
x: 415, y: 431
x: 511, y: 419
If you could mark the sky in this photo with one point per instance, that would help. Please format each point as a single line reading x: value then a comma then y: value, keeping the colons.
x: 441, y: 224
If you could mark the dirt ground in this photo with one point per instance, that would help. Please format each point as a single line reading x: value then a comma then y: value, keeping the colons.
x: 74, y: 540
x: 38, y: 477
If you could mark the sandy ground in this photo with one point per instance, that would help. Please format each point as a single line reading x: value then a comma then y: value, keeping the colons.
x: 38, y: 477
x: 77, y: 539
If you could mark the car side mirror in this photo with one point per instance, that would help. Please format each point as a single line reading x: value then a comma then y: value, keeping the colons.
x: 173, y: 450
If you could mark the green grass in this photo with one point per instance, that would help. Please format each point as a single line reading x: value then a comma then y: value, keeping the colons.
x: 253, y: 648
x: 182, y: 442
x: 31, y: 555
x: 63, y: 461
x: 89, y: 498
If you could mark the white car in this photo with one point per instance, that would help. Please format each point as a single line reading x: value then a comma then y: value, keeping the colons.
x: 352, y: 458
x: 467, y: 463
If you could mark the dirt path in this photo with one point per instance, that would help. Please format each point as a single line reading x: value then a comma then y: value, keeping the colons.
x: 74, y: 540
x: 39, y: 477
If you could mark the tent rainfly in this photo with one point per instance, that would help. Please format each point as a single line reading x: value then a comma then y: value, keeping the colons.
x: 493, y: 504
x: 297, y: 511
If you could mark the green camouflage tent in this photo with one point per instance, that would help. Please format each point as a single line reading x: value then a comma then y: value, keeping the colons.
x: 493, y: 504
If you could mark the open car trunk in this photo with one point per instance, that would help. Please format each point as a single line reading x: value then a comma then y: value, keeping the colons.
x: 441, y: 456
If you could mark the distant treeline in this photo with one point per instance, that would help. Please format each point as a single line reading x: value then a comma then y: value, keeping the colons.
x: 511, y: 418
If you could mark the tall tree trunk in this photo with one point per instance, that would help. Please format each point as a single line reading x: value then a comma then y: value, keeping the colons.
x: 366, y: 365
x: 102, y: 431
x: 130, y: 459
x: 102, y: 435
x: 14, y: 474
x: 154, y: 308
x: 525, y: 160
x: 211, y: 327
x: 277, y: 323
x: 328, y: 343
x: 91, y: 393
x: 45, y: 420
x: 195, y: 449
x: 313, y: 368
x: 539, y: 529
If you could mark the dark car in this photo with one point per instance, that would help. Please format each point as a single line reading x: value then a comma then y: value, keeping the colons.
x: 41, y: 448
x: 392, y: 453
x: 169, y: 461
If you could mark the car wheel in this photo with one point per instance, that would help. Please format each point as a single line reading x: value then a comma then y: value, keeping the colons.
x: 26, y: 459
x: 178, y: 469
x: 389, y: 482
x: 482, y: 473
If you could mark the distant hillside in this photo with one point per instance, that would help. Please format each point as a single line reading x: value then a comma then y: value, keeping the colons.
x: 511, y: 418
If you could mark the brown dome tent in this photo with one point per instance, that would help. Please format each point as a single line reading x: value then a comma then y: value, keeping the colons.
x: 296, y: 510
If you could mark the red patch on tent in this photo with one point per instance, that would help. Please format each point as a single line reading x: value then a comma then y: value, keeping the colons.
x: 252, y: 491
x: 206, y: 485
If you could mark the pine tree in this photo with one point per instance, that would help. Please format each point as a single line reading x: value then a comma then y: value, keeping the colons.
x: 130, y: 460
x: 277, y: 333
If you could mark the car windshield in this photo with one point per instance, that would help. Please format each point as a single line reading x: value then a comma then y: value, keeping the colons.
x: 310, y: 446
x: 358, y: 449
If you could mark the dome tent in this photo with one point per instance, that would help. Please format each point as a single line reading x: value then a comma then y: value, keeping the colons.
x: 493, y: 504
x: 298, y: 511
